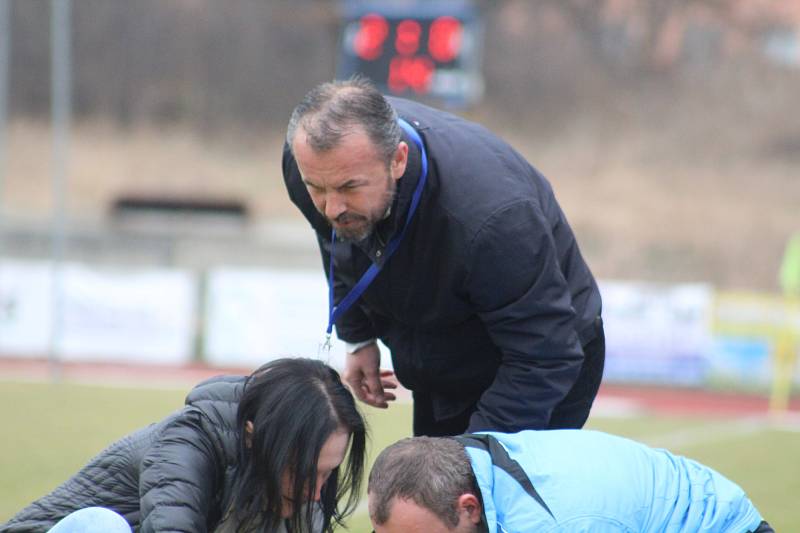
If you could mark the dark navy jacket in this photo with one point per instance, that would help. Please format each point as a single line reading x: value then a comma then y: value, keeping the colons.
x: 487, y: 296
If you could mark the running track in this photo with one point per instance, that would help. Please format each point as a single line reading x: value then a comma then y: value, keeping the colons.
x: 613, y: 398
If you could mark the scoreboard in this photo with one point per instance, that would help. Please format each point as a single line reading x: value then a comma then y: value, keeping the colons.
x: 424, y: 49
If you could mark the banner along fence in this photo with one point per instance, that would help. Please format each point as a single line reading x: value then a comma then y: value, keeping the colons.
x: 681, y: 334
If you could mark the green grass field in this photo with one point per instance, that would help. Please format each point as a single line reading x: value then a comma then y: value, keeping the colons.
x: 49, y: 431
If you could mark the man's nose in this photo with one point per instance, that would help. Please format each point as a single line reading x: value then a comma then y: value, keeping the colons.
x: 334, y: 205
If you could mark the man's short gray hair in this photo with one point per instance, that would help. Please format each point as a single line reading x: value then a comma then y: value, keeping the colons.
x: 331, y: 110
x: 431, y: 472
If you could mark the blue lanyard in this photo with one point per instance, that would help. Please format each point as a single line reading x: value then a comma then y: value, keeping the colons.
x: 335, y: 311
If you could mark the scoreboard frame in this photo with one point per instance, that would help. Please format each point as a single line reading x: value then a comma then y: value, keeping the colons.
x: 427, y: 50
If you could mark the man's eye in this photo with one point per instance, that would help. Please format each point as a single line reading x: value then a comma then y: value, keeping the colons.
x: 356, y: 185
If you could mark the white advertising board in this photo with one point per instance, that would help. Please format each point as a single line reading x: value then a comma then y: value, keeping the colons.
x: 255, y: 316
x: 658, y: 333
x: 131, y: 315
x: 110, y: 315
x: 25, y: 307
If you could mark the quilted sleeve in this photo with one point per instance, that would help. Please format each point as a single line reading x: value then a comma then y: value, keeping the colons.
x: 180, y: 478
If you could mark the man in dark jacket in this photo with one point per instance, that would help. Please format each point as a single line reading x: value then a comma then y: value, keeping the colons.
x: 478, y: 287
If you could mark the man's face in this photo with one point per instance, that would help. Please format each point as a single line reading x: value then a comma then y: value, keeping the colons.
x: 351, y: 184
x: 405, y: 516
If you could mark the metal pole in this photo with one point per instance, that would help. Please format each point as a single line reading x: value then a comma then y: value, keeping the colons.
x: 60, y: 26
x: 5, y: 58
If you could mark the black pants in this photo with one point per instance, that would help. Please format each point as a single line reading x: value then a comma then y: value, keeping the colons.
x: 763, y: 528
x: 571, y: 413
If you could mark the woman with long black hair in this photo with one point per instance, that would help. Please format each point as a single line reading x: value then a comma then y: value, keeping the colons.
x: 280, y: 450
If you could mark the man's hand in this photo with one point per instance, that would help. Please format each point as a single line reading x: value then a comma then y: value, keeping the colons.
x: 366, y: 380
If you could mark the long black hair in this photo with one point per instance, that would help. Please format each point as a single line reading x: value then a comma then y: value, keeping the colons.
x: 295, y: 405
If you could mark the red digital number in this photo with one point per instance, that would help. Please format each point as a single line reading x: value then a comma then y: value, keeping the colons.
x: 444, y: 40
x: 407, y: 40
x: 410, y: 72
x: 372, y: 32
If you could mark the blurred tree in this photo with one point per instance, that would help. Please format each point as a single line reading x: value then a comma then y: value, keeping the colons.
x: 647, y: 37
x: 208, y: 62
x: 242, y: 62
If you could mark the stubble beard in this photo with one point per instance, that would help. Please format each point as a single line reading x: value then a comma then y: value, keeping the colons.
x: 356, y: 234
x: 365, y: 225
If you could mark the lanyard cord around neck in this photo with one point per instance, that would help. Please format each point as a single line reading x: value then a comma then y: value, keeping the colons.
x: 335, y: 311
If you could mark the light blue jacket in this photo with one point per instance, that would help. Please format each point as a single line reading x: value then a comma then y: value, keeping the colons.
x: 587, y: 481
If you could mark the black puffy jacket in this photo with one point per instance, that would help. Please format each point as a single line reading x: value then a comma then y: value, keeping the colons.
x: 175, y: 475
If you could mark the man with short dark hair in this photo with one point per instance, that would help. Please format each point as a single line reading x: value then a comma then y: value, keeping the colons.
x: 439, y: 239
x: 557, y: 481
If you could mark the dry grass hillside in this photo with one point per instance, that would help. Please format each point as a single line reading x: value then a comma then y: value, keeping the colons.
x: 697, y: 186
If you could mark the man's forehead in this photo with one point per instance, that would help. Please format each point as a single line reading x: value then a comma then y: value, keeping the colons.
x: 355, y: 146
x: 407, y: 516
x: 323, y: 141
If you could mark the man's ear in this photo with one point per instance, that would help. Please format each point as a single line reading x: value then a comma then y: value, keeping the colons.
x: 469, y: 505
x: 248, y: 434
x: 398, y: 165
